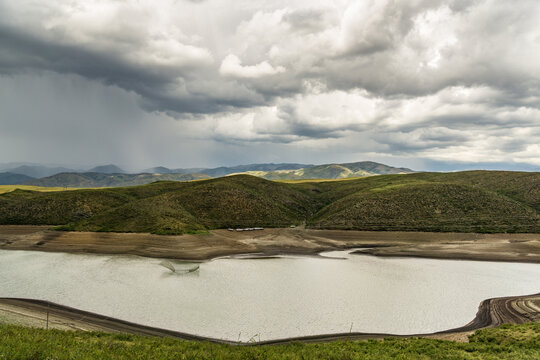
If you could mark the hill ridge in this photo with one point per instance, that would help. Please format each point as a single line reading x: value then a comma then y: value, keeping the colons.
x: 467, y: 202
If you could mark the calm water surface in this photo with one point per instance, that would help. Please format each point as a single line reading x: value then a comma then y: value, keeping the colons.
x: 269, y: 298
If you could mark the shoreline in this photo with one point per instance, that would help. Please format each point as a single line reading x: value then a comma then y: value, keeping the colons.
x: 491, y: 313
x: 277, y: 241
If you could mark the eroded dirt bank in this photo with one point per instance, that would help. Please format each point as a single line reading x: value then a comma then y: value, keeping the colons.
x: 466, y: 246
x: 28, y: 312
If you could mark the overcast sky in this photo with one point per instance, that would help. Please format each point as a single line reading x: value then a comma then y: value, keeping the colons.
x: 432, y: 85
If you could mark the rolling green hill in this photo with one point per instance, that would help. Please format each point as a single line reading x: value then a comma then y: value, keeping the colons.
x: 428, y: 207
x: 217, y: 203
x: 329, y: 171
x: 474, y: 201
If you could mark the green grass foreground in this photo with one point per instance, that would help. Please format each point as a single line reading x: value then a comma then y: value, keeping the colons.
x: 471, y: 201
x: 505, y: 342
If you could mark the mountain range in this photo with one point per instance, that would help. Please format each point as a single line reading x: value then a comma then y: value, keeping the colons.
x: 36, y: 171
x: 112, y: 175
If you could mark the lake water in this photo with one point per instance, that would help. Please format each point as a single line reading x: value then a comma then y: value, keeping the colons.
x: 269, y: 298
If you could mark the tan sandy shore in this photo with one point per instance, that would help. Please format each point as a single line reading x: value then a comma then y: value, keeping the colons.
x: 466, y: 246
x: 36, y: 313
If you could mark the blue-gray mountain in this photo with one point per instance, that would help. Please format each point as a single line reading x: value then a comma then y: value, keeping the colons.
x: 7, y: 178
x: 111, y: 175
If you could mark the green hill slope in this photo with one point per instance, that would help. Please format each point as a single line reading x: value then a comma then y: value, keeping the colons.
x: 245, y: 201
x: 520, y: 186
x: 428, y: 207
x: 478, y: 201
x: 30, y: 207
x: 157, y: 214
x: 219, y: 203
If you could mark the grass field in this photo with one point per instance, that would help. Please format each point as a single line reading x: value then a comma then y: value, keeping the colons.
x: 506, y: 342
x: 8, y: 188
x: 472, y: 201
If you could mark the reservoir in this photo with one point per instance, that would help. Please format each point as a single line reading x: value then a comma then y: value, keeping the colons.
x: 269, y: 298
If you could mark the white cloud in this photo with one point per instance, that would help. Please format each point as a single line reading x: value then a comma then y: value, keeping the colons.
x: 367, y: 26
x: 232, y: 66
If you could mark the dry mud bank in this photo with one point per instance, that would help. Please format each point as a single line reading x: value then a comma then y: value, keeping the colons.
x: 467, y: 246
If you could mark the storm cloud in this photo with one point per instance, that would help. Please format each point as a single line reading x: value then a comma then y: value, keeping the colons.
x: 412, y: 83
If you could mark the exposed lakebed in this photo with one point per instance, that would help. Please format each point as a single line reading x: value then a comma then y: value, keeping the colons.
x: 241, y: 299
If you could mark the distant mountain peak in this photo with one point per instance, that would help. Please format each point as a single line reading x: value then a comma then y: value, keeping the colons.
x: 8, y: 178
x: 107, y: 169
x: 37, y: 171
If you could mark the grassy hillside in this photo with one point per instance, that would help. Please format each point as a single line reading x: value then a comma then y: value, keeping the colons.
x: 8, y: 188
x: 218, y: 203
x: 156, y: 215
x: 478, y: 201
x: 505, y: 342
x: 43, y: 208
x: 428, y: 207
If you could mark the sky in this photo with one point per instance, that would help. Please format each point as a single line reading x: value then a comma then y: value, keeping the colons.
x: 427, y: 84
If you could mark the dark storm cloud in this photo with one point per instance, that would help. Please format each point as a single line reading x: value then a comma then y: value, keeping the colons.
x: 25, y: 53
x: 421, y: 78
x: 378, y: 47
x: 22, y: 52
